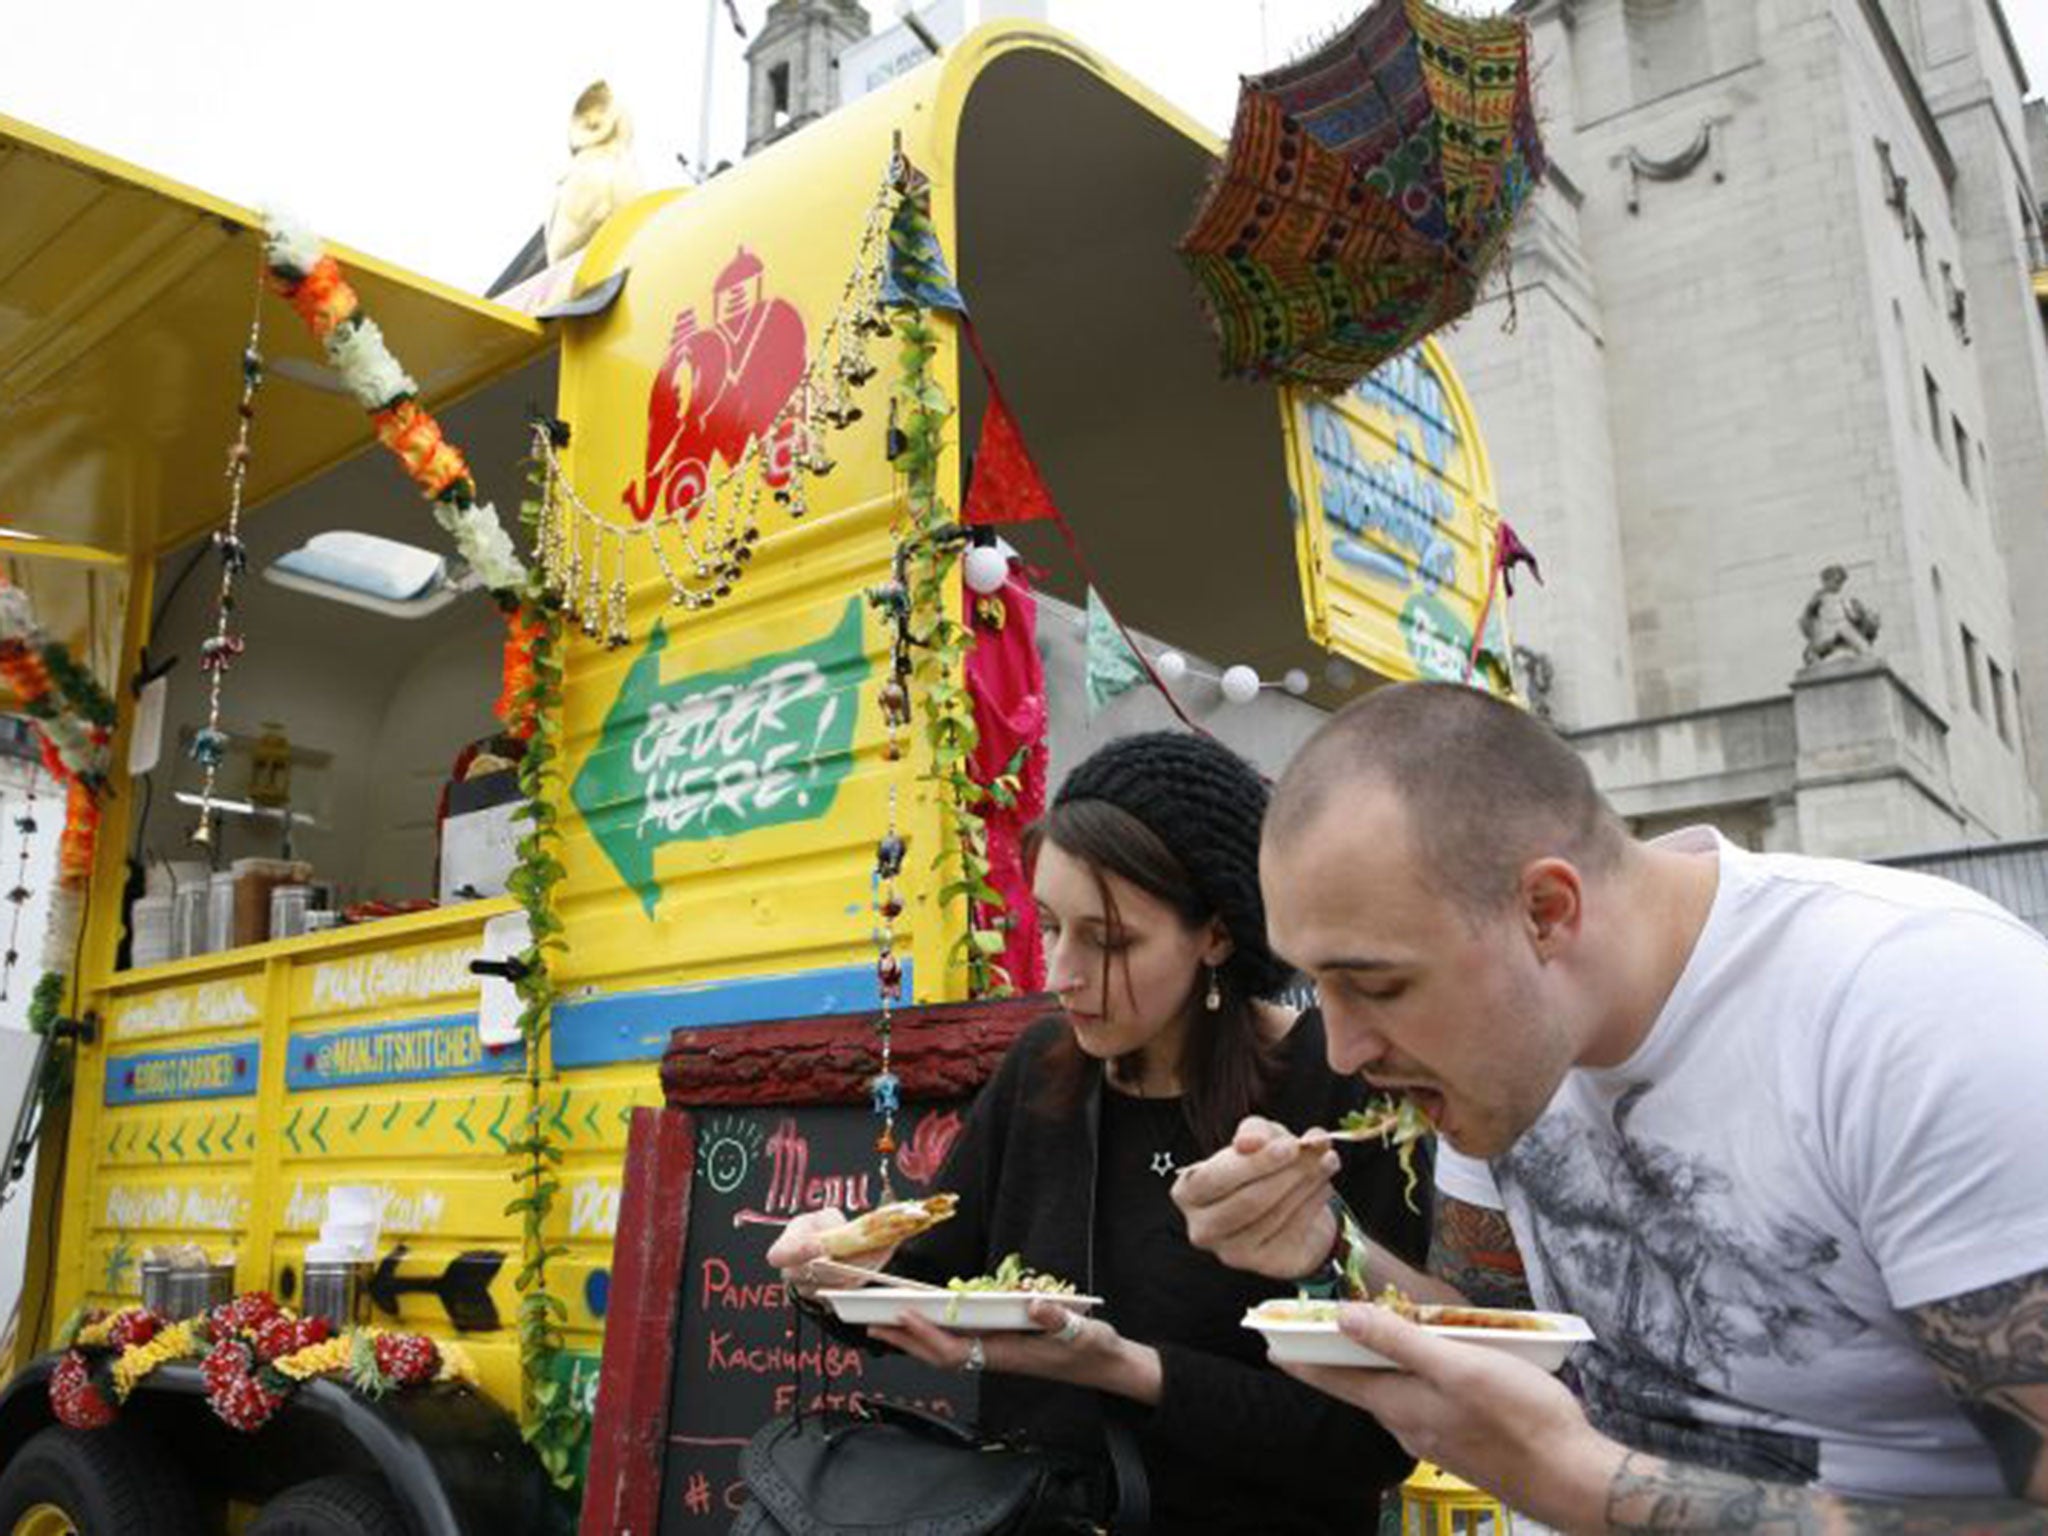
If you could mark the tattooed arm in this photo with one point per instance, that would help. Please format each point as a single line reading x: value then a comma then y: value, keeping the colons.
x: 1991, y: 1349
x: 1472, y: 1249
x: 1473, y: 1260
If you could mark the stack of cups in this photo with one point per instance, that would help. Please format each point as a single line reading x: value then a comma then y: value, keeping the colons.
x: 337, y: 1261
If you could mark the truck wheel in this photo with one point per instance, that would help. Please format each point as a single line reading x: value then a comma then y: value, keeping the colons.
x: 332, y: 1506
x: 94, y: 1482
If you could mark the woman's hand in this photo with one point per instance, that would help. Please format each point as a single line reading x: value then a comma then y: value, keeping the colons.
x: 795, y: 1250
x: 1262, y: 1203
x: 1080, y: 1351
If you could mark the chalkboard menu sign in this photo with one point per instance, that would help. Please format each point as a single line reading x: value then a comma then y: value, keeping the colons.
x: 742, y: 1354
x: 762, y: 1123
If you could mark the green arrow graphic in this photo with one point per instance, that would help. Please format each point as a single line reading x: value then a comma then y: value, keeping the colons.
x: 462, y: 1122
x: 495, y: 1134
x: 291, y: 1129
x: 157, y: 1151
x: 426, y: 1114
x: 313, y: 1130
x: 396, y: 1106
x: 717, y: 754
x: 227, y: 1137
x: 561, y: 1111
x: 204, y: 1140
x: 590, y: 1119
x: 176, y: 1142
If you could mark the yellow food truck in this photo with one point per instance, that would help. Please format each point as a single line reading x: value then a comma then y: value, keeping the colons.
x: 726, y: 756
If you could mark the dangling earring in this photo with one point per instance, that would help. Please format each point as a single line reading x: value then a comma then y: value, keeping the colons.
x: 1214, y: 1000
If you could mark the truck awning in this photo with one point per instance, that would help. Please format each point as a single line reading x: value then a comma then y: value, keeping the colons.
x: 125, y: 302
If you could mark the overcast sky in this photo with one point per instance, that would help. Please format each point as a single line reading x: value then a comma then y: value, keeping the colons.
x: 432, y: 134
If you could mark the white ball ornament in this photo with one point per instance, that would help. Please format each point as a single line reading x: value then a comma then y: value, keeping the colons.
x: 1171, y: 666
x: 987, y: 569
x: 1240, y: 684
x: 1295, y: 682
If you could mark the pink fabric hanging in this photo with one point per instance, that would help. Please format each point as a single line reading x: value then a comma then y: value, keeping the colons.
x: 1007, y: 683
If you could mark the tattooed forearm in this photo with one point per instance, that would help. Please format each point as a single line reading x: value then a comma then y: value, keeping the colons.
x: 1473, y: 1249
x: 1991, y: 1348
x: 1650, y: 1497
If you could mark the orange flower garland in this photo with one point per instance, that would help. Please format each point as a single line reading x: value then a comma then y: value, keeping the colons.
x: 435, y: 464
x: 81, y: 834
x: 24, y: 671
x: 514, y: 709
x: 323, y: 297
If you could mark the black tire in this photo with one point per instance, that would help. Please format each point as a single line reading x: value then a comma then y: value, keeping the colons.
x: 332, y: 1506
x: 108, y: 1482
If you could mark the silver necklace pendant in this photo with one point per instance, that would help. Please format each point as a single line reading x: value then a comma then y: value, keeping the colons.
x: 1162, y: 1164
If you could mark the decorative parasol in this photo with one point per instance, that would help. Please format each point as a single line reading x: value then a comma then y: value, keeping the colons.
x: 1367, y: 190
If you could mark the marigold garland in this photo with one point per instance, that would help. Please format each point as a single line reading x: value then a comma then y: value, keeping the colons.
x: 253, y: 1355
x: 75, y: 718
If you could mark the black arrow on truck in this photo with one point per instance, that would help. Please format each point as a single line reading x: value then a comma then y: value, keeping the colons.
x: 464, y: 1287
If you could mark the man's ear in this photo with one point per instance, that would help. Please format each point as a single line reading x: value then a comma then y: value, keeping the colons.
x: 1553, y: 904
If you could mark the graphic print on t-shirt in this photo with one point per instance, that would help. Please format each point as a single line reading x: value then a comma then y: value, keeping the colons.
x: 1681, y: 1284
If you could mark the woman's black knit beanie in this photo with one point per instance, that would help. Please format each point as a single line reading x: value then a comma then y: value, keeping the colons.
x: 1205, y: 803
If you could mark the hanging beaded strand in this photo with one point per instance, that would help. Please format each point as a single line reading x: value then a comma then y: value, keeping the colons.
x: 616, y: 632
x: 218, y: 651
x: 19, y: 893
x: 885, y: 1087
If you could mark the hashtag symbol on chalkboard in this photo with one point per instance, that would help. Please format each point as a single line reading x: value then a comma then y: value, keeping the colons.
x: 697, y: 1497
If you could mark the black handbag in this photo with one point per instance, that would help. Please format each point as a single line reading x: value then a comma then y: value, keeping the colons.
x: 891, y: 1470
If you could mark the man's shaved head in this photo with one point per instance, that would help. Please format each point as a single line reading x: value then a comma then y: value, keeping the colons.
x: 1486, y: 787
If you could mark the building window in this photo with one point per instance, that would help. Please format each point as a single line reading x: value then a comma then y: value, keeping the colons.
x: 1963, y: 454
x: 1917, y: 233
x: 1948, y: 641
x: 1998, y: 717
x: 1894, y: 181
x: 778, y: 94
x: 1667, y: 45
x: 1934, y: 421
x: 1970, y: 677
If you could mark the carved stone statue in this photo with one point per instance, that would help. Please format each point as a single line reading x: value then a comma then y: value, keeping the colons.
x: 1538, y: 676
x: 1836, y: 627
x: 601, y: 176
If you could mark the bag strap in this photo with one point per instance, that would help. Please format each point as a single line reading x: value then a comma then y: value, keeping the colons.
x: 1132, y: 1514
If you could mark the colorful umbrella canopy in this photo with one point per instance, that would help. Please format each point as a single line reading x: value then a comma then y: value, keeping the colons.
x: 1367, y: 190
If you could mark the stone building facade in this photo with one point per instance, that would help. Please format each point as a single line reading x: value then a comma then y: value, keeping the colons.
x: 1775, y: 309
x: 792, y: 64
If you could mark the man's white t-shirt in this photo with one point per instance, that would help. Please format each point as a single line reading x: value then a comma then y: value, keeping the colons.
x: 1840, y: 1114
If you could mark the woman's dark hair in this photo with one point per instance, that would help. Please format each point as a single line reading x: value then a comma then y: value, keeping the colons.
x: 1106, y: 817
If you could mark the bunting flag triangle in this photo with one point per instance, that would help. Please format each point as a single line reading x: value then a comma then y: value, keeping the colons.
x: 917, y: 275
x: 1113, y: 668
x: 1006, y: 487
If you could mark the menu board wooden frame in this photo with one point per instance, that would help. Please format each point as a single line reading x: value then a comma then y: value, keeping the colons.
x: 943, y: 1052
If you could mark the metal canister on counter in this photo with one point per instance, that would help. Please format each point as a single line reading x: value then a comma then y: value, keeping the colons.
x: 290, y: 905
x: 156, y: 1286
x: 194, y: 1290
x: 334, y: 1290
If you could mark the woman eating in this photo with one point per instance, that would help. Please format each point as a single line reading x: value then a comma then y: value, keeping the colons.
x: 1168, y: 1034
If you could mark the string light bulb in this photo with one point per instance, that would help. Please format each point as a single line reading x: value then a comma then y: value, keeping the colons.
x: 987, y: 568
x: 1240, y: 684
